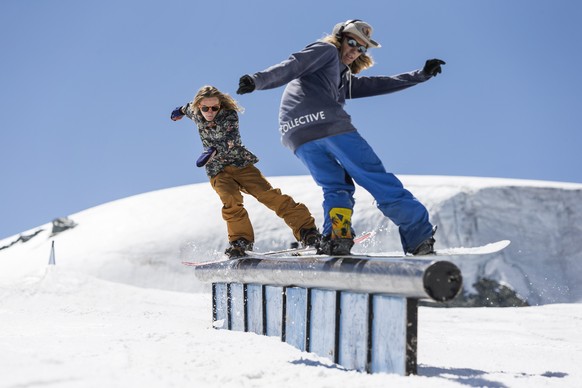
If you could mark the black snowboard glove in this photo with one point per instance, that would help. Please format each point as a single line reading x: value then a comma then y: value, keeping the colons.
x: 245, y: 85
x: 433, y: 66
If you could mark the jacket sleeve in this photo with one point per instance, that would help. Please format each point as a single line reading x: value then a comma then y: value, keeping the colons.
x: 377, y: 85
x: 230, y: 125
x: 188, y: 112
x: 306, y: 61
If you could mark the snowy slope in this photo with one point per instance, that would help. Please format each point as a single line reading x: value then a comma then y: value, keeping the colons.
x: 141, y: 240
x: 113, y: 311
x: 59, y: 328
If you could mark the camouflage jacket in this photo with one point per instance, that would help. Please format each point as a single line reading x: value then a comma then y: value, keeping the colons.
x: 222, y: 134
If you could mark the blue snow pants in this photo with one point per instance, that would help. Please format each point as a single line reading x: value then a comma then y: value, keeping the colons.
x: 333, y: 162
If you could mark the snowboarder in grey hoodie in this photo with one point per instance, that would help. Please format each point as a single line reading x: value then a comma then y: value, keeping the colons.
x: 315, y: 126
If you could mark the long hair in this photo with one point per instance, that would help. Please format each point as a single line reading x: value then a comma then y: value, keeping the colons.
x: 363, y: 62
x: 225, y: 100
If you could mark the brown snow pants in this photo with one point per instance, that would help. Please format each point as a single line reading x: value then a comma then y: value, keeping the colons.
x: 229, y: 183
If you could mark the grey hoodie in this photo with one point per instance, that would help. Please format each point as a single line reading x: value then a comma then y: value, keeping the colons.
x: 318, y: 84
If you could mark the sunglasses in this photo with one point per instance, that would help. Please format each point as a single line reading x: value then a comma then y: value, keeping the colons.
x: 214, y: 108
x: 354, y: 43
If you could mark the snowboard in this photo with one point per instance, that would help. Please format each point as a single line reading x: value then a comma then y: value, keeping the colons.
x: 310, y: 253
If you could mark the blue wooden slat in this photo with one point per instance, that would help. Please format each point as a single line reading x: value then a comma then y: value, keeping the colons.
x: 274, y: 311
x: 237, y: 307
x: 254, y: 308
x: 353, y: 335
x: 322, y: 322
x: 221, y: 305
x: 296, y: 317
x: 389, y: 327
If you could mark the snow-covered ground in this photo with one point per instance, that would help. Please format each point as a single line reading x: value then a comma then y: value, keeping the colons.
x: 119, y: 309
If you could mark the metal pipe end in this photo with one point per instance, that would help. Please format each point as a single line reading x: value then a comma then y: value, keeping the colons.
x: 443, y: 281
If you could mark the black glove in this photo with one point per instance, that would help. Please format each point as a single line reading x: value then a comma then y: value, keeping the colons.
x: 177, y: 114
x: 245, y: 85
x: 433, y: 66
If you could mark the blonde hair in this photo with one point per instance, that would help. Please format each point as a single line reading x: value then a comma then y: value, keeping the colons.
x: 224, y: 99
x: 363, y: 62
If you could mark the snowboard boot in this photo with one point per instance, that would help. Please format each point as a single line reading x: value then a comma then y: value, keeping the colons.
x: 310, y: 237
x: 341, y: 239
x: 238, y: 247
x: 341, y: 223
x: 335, y: 246
x: 427, y: 246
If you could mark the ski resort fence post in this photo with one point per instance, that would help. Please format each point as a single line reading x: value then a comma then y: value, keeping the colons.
x: 359, y: 313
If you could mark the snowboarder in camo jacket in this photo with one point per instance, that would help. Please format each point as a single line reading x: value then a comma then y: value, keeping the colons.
x: 231, y: 169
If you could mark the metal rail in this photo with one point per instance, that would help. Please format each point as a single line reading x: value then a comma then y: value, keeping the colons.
x: 408, y: 277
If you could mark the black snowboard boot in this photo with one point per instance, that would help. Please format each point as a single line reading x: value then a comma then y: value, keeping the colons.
x: 341, y: 239
x: 335, y: 246
x: 238, y: 247
x: 427, y: 246
x: 310, y: 237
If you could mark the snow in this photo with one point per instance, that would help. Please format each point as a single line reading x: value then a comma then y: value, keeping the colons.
x: 119, y: 308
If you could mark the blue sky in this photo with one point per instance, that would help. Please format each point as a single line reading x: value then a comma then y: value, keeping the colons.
x: 86, y: 89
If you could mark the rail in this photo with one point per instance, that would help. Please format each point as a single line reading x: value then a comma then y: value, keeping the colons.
x: 361, y: 313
